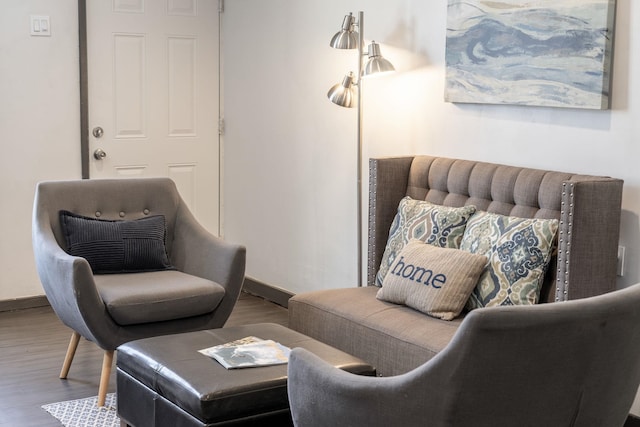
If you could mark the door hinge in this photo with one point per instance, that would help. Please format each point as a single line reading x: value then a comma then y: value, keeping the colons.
x: 221, y: 126
x: 220, y: 6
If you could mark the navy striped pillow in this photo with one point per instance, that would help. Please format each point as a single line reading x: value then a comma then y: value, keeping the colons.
x: 117, y: 246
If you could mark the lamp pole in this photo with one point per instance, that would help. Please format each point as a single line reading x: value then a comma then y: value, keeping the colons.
x: 343, y: 94
x: 359, y: 138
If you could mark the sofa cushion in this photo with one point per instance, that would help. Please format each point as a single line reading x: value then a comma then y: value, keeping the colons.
x: 117, y: 246
x: 518, y: 251
x: 393, y: 338
x: 437, y: 225
x: 436, y: 281
x: 157, y: 296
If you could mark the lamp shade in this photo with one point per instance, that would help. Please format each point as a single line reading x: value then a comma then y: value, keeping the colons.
x: 346, y: 38
x: 344, y: 94
x: 376, y: 64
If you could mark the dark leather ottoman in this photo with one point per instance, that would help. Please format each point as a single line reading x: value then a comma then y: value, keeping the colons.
x: 164, y: 381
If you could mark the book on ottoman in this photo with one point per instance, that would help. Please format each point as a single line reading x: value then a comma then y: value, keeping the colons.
x: 248, y: 352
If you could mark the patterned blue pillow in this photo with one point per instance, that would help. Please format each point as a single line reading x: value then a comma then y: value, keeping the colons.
x: 117, y: 246
x: 519, y: 251
x: 437, y: 225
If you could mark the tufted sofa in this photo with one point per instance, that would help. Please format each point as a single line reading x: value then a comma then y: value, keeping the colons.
x: 395, y: 338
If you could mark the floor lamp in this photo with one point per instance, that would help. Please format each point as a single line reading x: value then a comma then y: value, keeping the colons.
x: 348, y: 93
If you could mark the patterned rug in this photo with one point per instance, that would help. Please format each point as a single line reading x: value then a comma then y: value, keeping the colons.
x: 85, y: 413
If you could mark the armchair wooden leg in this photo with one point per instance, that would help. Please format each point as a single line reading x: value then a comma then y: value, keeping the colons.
x: 71, y: 351
x: 107, y: 363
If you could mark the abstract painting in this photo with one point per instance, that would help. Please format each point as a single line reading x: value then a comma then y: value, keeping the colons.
x: 552, y: 53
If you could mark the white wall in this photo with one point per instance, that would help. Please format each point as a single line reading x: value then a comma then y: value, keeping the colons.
x: 290, y: 154
x: 39, y: 126
x: 289, y: 179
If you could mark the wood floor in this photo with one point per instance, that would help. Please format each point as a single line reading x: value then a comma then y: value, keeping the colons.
x: 33, y: 343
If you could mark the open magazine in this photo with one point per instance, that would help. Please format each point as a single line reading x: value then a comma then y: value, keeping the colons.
x: 248, y: 352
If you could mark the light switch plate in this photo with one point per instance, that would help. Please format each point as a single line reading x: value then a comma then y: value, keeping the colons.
x: 40, y: 26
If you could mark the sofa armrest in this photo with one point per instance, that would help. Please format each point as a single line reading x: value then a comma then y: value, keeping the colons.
x: 69, y: 285
x: 198, y: 252
x: 388, y: 178
x: 588, y: 237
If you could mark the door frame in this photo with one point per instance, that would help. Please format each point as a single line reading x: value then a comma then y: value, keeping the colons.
x: 84, y: 89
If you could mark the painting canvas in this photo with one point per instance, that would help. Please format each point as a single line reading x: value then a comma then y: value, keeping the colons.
x: 554, y: 53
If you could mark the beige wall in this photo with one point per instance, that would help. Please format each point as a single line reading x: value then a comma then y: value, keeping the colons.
x: 289, y: 179
x: 39, y: 126
x: 290, y: 154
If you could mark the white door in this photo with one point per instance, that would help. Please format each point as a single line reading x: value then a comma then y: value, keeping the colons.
x: 154, y: 95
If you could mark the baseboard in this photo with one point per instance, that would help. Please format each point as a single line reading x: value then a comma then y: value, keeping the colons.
x: 632, y: 421
x: 268, y: 292
x: 22, y: 303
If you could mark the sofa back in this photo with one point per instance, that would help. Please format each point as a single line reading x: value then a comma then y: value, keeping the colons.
x: 588, y: 209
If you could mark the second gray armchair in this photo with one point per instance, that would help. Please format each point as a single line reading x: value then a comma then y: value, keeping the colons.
x: 125, y: 259
x: 574, y: 363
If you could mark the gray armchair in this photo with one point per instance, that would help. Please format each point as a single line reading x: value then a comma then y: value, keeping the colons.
x: 197, y: 291
x: 573, y: 363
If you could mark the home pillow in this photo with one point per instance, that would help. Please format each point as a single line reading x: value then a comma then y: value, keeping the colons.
x: 437, y: 225
x: 117, y: 246
x: 518, y: 250
x: 436, y: 281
